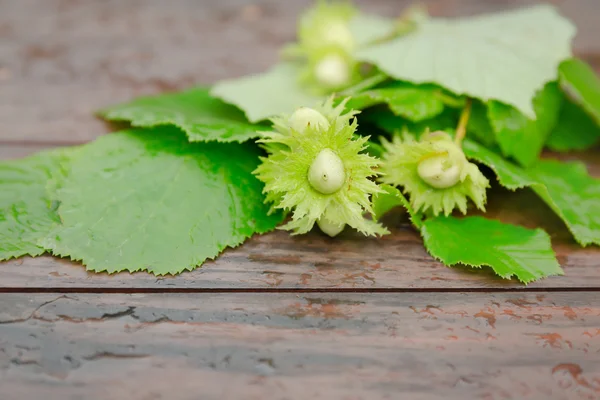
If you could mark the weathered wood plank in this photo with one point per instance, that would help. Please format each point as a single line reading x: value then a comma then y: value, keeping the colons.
x: 277, y: 346
x: 60, y: 60
x: 279, y: 261
x: 12, y: 151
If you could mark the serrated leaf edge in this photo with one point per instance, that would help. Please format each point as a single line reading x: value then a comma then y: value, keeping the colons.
x: 480, y: 265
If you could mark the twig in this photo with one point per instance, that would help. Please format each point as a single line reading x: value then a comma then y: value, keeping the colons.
x: 461, y: 130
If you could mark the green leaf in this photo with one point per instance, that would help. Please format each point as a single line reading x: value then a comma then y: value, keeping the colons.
x: 367, y: 28
x: 413, y: 102
x: 479, y: 125
x: 391, y: 123
x: 149, y: 200
x: 510, y: 175
x: 582, y: 85
x: 575, y: 130
x: 367, y: 83
x: 390, y: 198
x: 566, y: 187
x: 26, y: 212
x: 573, y: 195
x: 194, y: 111
x: 266, y: 95
x: 372, y: 148
x: 520, y: 137
x: 504, y: 56
x: 476, y: 241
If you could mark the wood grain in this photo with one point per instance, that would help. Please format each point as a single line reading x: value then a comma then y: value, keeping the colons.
x: 60, y: 60
x: 280, y: 262
x: 285, y: 346
x: 68, y: 58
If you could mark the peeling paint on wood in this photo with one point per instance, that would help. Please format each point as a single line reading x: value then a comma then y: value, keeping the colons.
x: 60, y: 60
x: 359, y: 346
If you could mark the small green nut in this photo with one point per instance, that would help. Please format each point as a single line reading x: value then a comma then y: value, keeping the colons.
x: 326, y: 174
x: 338, y: 34
x: 333, y: 71
x: 439, y: 171
x: 304, y: 117
x: 437, y: 136
x: 329, y: 227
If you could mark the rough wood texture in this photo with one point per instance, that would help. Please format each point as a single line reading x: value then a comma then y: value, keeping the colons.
x: 60, y: 60
x: 283, y: 346
x: 278, y: 262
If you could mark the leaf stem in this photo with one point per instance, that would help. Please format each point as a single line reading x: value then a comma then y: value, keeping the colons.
x: 366, y: 83
x: 448, y: 99
x: 461, y: 130
x: 406, y: 23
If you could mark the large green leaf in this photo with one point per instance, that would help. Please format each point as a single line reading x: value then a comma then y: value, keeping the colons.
x: 149, y: 200
x: 510, y: 175
x: 280, y: 91
x: 266, y: 95
x: 367, y: 28
x: 476, y: 241
x: 520, y: 137
x: 26, y: 212
x: 565, y: 187
x: 575, y: 130
x: 202, y: 117
x: 413, y: 102
x: 581, y: 84
x: 573, y: 195
x: 391, y: 123
x: 479, y: 125
x: 504, y: 56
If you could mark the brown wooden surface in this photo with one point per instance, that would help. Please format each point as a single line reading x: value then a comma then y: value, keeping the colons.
x: 286, y: 346
x: 60, y: 60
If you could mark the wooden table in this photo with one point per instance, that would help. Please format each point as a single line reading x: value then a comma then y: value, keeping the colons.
x: 280, y: 317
